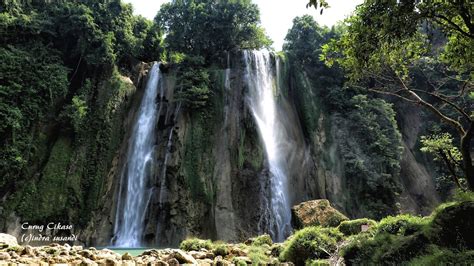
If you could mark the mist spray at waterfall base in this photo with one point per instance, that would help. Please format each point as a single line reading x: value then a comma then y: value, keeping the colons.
x: 262, y: 87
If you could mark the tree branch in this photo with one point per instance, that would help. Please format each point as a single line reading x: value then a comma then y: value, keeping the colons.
x: 392, y: 94
x: 454, y: 26
x: 437, y: 96
x: 450, y: 168
x: 433, y: 109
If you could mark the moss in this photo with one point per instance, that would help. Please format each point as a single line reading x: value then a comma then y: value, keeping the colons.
x: 404, y: 238
x: 317, y: 213
x: 239, y: 262
x: 438, y: 256
x: 197, y: 162
x: 354, y: 227
x: 404, y: 224
x: 311, y: 243
x: 318, y: 263
x: 195, y: 244
x: 452, y: 225
x: 250, y: 151
x: 220, y: 249
x: 257, y: 255
x: 261, y: 240
x: 48, y: 198
x: 384, y: 249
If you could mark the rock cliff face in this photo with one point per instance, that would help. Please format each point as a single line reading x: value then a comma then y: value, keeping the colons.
x: 213, y: 180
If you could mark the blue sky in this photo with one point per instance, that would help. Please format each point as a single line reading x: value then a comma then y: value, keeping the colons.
x: 276, y: 15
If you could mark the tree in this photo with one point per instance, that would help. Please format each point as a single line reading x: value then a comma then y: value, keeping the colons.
x: 387, y: 44
x: 207, y: 27
x: 314, y: 3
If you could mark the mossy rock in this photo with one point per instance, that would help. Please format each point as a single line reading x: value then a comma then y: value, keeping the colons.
x: 404, y: 224
x: 310, y: 243
x: 404, y: 249
x: 318, y: 263
x: 260, y: 240
x: 354, y: 227
x: 316, y: 213
x: 220, y: 249
x: 195, y: 244
x: 453, y: 226
x: 437, y: 256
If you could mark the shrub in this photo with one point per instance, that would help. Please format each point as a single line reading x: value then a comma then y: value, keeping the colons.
x: 311, y: 243
x: 361, y: 248
x: 257, y: 255
x: 263, y: 239
x: 195, y: 244
x: 405, y: 224
x: 239, y: 262
x: 354, y: 227
x: 220, y: 249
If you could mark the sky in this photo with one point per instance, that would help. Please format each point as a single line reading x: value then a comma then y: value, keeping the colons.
x: 276, y: 15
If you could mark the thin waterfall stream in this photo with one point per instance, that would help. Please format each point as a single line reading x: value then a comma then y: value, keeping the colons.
x: 262, y: 86
x: 134, y: 194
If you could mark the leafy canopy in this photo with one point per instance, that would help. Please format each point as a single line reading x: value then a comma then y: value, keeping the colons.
x: 204, y: 27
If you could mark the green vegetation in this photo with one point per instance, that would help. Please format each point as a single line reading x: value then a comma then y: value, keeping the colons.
x: 262, y: 240
x: 220, y: 249
x: 402, y: 239
x: 401, y: 225
x: 210, y: 28
x: 33, y: 81
x: 60, y: 64
x: 310, y: 243
x: 195, y: 244
x: 354, y: 227
x: 257, y: 255
x: 371, y: 155
x: 417, y: 52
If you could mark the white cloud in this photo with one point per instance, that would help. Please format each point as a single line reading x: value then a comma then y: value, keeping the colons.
x: 276, y: 15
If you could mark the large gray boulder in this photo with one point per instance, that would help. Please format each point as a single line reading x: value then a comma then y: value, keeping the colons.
x: 9, y: 240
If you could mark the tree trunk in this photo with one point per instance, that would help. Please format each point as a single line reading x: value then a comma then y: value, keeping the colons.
x: 466, y: 156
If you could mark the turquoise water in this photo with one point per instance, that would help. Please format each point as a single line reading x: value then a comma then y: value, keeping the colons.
x: 132, y: 251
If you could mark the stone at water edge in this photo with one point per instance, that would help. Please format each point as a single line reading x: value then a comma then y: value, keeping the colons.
x: 183, y: 257
x: 316, y: 212
x: 7, y: 239
x: 127, y: 256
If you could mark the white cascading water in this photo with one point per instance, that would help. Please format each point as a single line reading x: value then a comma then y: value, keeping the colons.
x: 130, y: 216
x: 262, y: 85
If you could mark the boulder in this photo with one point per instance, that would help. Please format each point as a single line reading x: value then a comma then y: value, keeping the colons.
x: 173, y: 262
x: 28, y: 251
x: 8, y: 240
x: 127, y: 256
x: 160, y: 263
x: 453, y: 224
x: 183, y: 257
x: 4, y: 256
x: 316, y: 212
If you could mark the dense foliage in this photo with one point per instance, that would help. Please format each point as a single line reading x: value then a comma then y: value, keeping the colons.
x: 371, y: 155
x: 419, y: 52
x: 59, y: 72
x: 210, y: 27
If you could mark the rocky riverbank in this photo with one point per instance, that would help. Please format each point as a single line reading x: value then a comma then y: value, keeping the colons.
x: 216, y: 254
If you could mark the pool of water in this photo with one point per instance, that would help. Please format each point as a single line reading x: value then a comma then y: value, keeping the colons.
x: 131, y: 251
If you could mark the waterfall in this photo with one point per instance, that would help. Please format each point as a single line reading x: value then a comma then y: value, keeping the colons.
x: 134, y: 192
x: 262, y: 86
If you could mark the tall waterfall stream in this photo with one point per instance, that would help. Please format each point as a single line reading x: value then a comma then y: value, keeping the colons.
x: 134, y: 194
x: 262, y: 86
